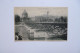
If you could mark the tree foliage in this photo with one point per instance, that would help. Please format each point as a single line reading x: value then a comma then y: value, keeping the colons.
x: 17, y: 18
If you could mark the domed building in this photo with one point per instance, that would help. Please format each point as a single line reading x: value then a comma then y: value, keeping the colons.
x: 25, y: 17
x: 25, y: 14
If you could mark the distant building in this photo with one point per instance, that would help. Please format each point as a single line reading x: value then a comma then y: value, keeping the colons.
x: 25, y: 14
x: 25, y: 17
x: 48, y: 18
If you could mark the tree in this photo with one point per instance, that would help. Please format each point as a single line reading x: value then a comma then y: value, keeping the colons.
x: 62, y: 19
x: 17, y: 18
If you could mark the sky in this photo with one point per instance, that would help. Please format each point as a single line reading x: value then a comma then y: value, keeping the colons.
x: 38, y: 11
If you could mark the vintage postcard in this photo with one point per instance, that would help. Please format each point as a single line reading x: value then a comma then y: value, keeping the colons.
x: 40, y: 23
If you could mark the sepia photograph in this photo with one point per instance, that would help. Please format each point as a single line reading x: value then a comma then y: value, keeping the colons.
x: 40, y: 26
x: 40, y: 23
